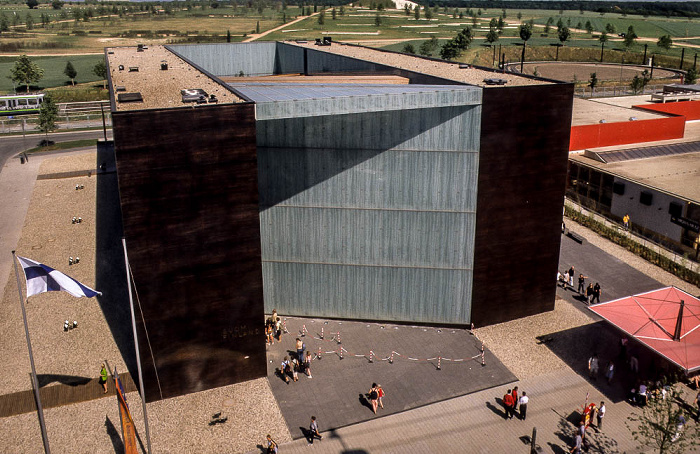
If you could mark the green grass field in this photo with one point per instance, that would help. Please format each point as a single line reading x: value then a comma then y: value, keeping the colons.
x: 201, y: 23
x: 53, y: 70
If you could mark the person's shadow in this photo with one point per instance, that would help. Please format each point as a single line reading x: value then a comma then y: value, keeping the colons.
x: 497, y: 409
x: 307, y: 434
x: 363, y: 401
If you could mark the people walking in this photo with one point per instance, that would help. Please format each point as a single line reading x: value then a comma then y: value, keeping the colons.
x: 609, y: 371
x: 271, y: 445
x: 593, y: 366
x: 596, y: 293
x: 307, y: 364
x: 601, y: 415
x: 572, y: 273
x: 523, y: 405
x: 514, y: 393
x: 626, y: 221
x: 581, y: 283
x: 373, y: 395
x: 286, y: 369
x: 508, y: 404
x: 300, y: 350
x: 589, y: 293
x: 103, y: 377
x: 313, y: 431
x: 380, y: 393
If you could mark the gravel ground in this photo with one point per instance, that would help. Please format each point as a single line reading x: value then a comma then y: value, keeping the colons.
x: 442, y: 69
x: 179, y: 424
x: 176, y: 425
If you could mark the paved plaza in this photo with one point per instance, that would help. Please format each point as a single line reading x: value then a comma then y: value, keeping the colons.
x: 454, y: 409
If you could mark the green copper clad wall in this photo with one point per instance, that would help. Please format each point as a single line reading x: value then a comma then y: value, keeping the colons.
x: 370, y: 215
x: 228, y: 59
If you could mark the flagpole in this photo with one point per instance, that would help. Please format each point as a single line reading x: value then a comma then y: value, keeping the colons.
x: 136, y: 346
x: 35, y: 383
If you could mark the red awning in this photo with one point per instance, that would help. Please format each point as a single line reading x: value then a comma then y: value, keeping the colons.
x: 653, y: 319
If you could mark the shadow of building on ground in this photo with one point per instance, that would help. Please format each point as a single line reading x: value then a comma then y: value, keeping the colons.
x: 110, y: 274
x: 70, y: 380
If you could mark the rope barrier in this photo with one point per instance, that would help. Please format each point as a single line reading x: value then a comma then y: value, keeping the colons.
x: 322, y: 332
x: 371, y: 356
x: 439, y: 366
x: 304, y: 331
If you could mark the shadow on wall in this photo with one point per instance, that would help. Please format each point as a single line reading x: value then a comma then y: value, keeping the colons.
x: 296, y: 154
x: 110, y: 270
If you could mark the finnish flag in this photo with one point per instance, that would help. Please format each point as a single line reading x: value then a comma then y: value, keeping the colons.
x: 41, y: 278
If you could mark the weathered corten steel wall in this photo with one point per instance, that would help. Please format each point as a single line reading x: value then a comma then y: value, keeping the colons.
x: 189, y: 199
x: 522, y: 178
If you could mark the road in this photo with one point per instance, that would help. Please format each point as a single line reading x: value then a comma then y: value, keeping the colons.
x: 11, y: 145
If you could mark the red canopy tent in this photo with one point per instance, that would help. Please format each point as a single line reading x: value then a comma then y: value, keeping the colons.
x: 665, y: 320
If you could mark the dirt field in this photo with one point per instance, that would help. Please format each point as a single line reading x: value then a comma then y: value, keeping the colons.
x: 582, y: 71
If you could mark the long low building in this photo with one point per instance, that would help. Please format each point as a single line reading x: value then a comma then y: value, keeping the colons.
x: 328, y: 181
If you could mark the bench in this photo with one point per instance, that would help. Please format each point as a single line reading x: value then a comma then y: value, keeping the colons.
x: 575, y: 237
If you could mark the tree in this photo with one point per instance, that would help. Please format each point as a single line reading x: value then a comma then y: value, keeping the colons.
x: 630, y: 36
x: 378, y: 20
x: 25, y: 71
x: 560, y: 24
x: 449, y: 50
x: 56, y: 4
x: 416, y: 12
x: 589, y: 27
x: 464, y: 38
x: 501, y: 24
x: 658, y: 425
x: 333, y: 14
x: 493, y: 23
x: 29, y: 22
x: 492, y: 36
x: 48, y: 114
x: 519, y: 15
x: 4, y: 23
x: 70, y: 72
x: 228, y: 36
x: 610, y: 28
x: 665, y: 42
x: 257, y: 26
x: 32, y: 3
x: 691, y: 76
x: 593, y: 81
x: 407, y: 9
x: 409, y: 49
x: 428, y: 47
x: 564, y: 34
x: 525, y: 32
x: 342, y: 10
x: 428, y: 13
x: 100, y: 70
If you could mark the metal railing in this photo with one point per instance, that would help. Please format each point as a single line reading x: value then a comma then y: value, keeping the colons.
x: 30, y: 123
x: 683, y: 260
x: 606, y: 92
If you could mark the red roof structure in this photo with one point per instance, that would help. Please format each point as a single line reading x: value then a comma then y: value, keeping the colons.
x: 665, y: 320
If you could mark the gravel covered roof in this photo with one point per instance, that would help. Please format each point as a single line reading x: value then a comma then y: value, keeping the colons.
x: 444, y: 69
x: 158, y: 88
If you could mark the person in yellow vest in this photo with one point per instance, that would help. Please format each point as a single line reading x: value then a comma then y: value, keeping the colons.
x: 626, y: 221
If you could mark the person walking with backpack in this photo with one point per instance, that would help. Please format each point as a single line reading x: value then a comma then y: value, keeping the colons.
x: 271, y: 445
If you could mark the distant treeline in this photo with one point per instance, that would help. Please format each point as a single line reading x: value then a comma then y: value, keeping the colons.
x: 683, y: 9
x: 656, y: 8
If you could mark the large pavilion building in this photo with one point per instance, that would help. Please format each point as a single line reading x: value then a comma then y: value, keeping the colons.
x: 327, y: 181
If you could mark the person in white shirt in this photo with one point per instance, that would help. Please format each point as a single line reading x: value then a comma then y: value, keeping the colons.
x: 601, y: 415
x: 523, y: 405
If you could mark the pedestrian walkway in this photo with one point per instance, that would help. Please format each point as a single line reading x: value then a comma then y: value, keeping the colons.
x: 475, y: 424
x: 72, y: 391
x: 675, y: 257
x: 416, y: 366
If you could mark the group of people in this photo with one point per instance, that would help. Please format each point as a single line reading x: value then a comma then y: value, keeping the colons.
x: 592, y: 412
x: 273, y: 328
x: 374, y: 395
x: 301, y: 362
x: 511, y: 402
x: 566, y: 280
x: 594, y: 368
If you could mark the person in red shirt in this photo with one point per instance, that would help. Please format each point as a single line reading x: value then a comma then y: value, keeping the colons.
x: 515, y: 399
x: 508, y: 404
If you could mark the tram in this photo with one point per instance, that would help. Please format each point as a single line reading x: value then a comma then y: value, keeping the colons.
x: 20, y: 104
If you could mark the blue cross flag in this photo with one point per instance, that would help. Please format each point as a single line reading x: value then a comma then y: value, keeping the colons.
x: 41, y: 278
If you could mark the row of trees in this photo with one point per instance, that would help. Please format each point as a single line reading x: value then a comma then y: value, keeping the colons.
x: 26, y: 72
